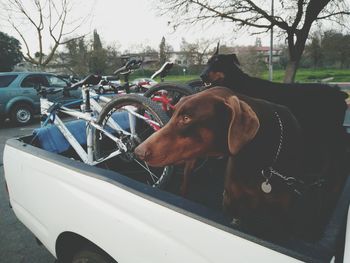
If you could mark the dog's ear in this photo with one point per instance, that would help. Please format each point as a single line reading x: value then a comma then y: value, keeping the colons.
x: 244, y: 124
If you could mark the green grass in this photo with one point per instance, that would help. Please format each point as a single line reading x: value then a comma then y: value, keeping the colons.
x: 313, y: 75
x: 303, y: 75
x: 179, y: 79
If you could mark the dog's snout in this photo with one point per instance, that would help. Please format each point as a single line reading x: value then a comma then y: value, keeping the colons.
x: 142, y: 152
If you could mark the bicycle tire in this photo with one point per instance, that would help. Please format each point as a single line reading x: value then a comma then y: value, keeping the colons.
x: 144, y: 106
x: 176, y: 91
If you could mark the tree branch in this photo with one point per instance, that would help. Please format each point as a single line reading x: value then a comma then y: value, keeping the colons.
x: 283, y: 25
x: 28, y: 57
x: 299, y: 14
x: 225, y: 15
x: 332, y: 15
x: 50, y: 17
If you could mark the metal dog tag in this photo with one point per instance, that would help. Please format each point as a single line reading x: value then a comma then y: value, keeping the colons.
x: 266, y: 187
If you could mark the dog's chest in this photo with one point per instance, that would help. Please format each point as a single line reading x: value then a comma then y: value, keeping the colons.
x: 261, y: 151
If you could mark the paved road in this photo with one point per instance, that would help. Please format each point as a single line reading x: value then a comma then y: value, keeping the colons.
x: 17, y: 243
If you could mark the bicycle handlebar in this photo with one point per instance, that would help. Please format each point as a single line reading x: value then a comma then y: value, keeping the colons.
x: 43, y: 91
x: 133, y: 64
x: 128, y: 67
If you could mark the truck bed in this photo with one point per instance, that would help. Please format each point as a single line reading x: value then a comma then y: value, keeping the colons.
x: 134, y: 222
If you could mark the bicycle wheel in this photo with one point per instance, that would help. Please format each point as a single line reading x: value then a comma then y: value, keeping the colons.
x: 167, y: 95
x: 137, y: 117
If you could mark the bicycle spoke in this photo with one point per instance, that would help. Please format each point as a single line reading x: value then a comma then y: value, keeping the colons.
x: 142, y: 117
x: 146, y: 167
x: 152, y: 174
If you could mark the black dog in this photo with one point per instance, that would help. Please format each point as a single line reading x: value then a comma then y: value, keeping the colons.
x: 319, y: 109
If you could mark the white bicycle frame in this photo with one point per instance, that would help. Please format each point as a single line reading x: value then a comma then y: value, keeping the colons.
x: 90, y: 119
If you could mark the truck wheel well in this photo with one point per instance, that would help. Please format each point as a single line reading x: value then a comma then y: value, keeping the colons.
x: 69, y: 243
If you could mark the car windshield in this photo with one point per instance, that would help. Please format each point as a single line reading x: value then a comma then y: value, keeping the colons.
x: 6, y: 80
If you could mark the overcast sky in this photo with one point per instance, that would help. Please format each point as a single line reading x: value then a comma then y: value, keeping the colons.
x: 129, y: 23
x: 134, y: 21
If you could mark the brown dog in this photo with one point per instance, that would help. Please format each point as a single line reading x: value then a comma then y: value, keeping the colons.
x: 261, y: 139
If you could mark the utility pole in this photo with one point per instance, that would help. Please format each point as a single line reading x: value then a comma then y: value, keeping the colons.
x: 271, y: 45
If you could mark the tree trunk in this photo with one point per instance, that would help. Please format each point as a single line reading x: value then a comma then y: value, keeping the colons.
x: 291, y: 70
x: 295, y: 52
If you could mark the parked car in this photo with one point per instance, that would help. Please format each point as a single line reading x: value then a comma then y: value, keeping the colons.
x: 19, y: 100
x: 112, y: 79
x: 108, y: 83
x: 69, y: 78
x: 144, y: 83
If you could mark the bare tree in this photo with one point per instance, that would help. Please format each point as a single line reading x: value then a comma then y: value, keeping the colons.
x: 293, y: 18
x: 196, y: 51
x: 252, y: 61
x: 51, y: 21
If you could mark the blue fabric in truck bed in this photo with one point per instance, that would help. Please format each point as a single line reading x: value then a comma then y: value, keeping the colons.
x: 51, y: 139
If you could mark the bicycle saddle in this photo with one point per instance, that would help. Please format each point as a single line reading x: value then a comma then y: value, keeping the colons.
x: 89, y: 80
x: 163, y: 70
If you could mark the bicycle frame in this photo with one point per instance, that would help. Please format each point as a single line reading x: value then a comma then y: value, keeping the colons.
x: 88, y: 116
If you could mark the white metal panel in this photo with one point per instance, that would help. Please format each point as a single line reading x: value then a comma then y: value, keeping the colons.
x: 50, y: 199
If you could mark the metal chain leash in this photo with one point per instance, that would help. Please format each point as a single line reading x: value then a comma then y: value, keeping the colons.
x: 281, y: 138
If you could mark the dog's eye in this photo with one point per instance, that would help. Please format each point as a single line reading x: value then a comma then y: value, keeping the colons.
x: 186, y: 119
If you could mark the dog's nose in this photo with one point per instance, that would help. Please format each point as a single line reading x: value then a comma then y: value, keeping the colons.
x: 142, y: 152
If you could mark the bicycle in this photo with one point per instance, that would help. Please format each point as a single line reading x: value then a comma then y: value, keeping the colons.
x: 162, y: 72
x: 166, y: 94
x: 113, y: 130
x: 125, y: 71
x: 133, y: 65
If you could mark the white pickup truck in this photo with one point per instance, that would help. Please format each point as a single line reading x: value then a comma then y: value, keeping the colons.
x: 89, y: 214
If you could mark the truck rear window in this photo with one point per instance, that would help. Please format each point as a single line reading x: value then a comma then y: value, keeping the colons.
x: 6, y: 80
